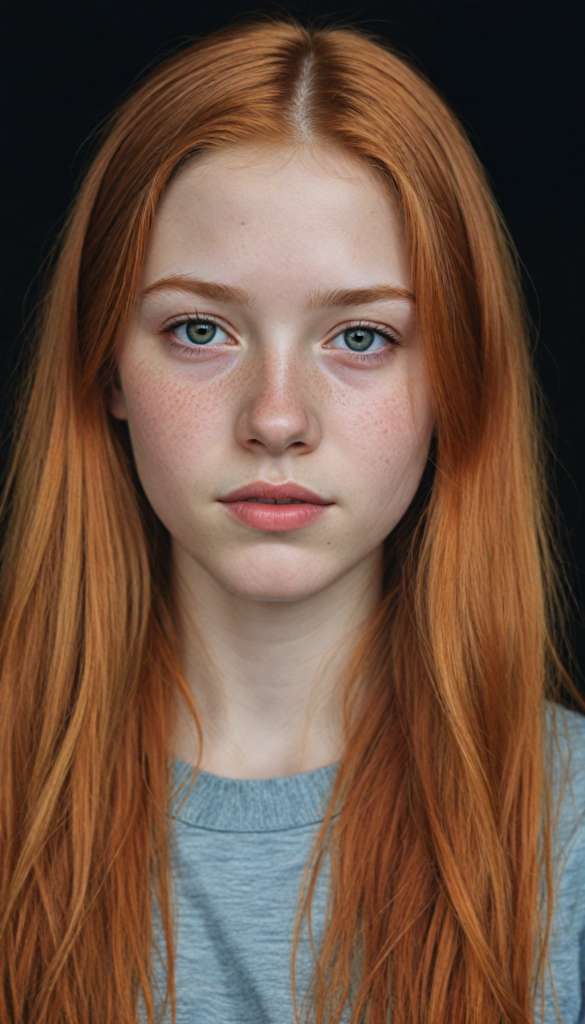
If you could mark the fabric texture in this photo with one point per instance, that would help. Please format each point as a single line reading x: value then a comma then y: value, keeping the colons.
x: 240, y: 849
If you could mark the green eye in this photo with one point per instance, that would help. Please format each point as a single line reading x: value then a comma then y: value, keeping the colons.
x: 359, y: 338
x: 196, y: 334
x: 200, y: 332
x: 363, y: 338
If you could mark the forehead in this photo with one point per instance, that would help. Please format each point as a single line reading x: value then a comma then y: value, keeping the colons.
x: 252, y: 215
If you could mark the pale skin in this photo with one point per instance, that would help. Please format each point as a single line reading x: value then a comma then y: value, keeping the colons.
x: 310, y: 246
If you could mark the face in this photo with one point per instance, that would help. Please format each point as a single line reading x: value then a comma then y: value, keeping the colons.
x: 274, y: 357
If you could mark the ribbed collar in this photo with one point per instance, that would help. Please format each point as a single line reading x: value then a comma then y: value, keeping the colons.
x: 252, y: 805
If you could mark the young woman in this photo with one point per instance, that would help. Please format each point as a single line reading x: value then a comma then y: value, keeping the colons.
x: 277, y: 513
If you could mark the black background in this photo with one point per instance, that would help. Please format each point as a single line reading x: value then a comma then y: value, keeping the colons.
x: 510, y: 68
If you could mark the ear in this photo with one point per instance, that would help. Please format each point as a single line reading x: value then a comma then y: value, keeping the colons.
x: 116, y: 400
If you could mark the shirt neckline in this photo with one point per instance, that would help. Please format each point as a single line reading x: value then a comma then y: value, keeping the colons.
x: 250, y: 805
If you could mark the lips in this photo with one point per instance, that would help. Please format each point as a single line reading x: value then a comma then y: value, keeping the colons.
x: 275, y: 493
x: 275, y: 507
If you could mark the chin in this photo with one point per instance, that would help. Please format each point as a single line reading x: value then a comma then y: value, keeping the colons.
x: 272, y: 589
x: 263, y: 580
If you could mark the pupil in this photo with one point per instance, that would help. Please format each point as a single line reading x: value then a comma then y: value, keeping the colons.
x: 200, y: 332
x: 358, y: 338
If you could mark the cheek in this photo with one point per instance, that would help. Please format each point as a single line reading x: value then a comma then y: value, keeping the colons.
x: 174, y: 429
x: 387, y: 440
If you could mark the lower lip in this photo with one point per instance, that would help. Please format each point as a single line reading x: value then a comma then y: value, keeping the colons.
x: 275, y: 517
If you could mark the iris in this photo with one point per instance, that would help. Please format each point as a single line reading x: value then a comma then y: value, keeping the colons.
x: 200, y: 331
x: 359, y: 338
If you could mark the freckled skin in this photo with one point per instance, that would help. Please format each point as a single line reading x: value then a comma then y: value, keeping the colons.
x: 273, y: 402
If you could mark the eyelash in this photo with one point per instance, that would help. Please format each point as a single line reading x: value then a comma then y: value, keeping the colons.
x: 373, y: 357
x: 185, y: 319
x: 360, y: 357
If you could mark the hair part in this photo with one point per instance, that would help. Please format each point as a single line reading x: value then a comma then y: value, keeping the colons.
x: 435, y: 862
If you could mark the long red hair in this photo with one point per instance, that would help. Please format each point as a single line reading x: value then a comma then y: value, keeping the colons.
x: 444, y: 784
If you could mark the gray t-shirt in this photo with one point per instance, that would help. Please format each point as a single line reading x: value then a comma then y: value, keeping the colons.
x: 240, y: 850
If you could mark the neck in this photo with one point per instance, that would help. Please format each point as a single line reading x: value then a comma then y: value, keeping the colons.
x: 267, y: 676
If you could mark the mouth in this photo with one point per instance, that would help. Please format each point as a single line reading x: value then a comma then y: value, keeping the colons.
x: 275, y: 507
x: 264, y: 493
x: 277, y: 501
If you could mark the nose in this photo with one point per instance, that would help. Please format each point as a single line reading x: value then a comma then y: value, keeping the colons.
x: 278, y: 413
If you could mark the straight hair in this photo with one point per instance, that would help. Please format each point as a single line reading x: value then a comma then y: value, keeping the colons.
x: 444, y: 786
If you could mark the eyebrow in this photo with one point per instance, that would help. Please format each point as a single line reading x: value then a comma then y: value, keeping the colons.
x: 208, y: 289
x: 316, y: 300
x: 357, y: 296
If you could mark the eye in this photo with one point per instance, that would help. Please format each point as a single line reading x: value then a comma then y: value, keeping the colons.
x: 199, y: 333
x: 362, y: 338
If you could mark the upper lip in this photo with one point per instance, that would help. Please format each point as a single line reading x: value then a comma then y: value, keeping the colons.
x: 276, y: 492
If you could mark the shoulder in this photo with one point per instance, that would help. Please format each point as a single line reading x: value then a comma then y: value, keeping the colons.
x: 565, y: 745
x: 573, y: 720
x: 566, y: 748
x: 565, y: 734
